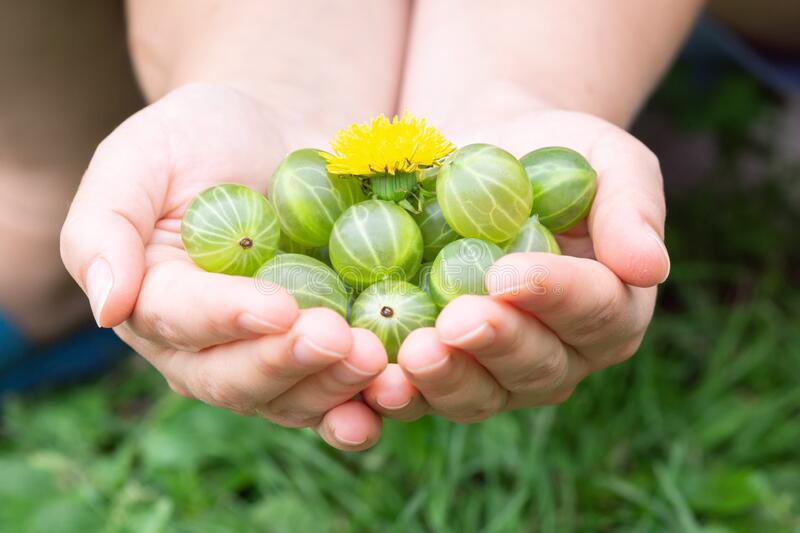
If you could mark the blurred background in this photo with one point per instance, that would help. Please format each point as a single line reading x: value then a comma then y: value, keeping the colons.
x: 698, y: 432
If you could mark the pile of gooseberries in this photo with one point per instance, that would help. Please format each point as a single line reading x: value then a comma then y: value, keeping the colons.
x: 387, y: 254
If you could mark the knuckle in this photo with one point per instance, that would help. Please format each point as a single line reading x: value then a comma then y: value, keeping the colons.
x: 270, y: 370
x: 545, y: 374
x: 177, y: 389
x: 560, y: 396
x: 618, y: 353
x: 219, y: 393
x: 288, y: 417
x: 627, y: 350
x: 597, y: 322
x: 477, y: 412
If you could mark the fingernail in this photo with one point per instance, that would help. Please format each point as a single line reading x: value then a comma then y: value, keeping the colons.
x: 99, y: 281
x: 355, y: 370
x: 429, y: 368
x: 479, y: 337
x: 348, y: 441
x: 389, y: 405
x: 663, y: 247
x: 258, y: 325
x: 308, y: 353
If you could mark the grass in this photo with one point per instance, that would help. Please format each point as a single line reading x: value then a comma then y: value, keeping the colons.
x: 698, y: 432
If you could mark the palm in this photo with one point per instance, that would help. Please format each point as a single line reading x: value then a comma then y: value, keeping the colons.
x: 214, y: 136
x: 599, y: 141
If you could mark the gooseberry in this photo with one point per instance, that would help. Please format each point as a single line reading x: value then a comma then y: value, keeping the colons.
x: 564, y: 185
x: 311, y: 282
x: 288, y: 246
x: 460, y: 268
x: 375, y: 240
x: 534, y: 237
x: 484, y: 193
x: 308, y: 199
x: 392, y: 309
x: 423, y: 280
x: 436, y: 233
x: 230, y: 229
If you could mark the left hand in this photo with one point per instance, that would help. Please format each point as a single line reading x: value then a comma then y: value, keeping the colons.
x: 558, y: 318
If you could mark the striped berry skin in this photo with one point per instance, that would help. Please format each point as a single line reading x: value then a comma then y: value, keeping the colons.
x: 375, y: 240
x: 288, y: 246
x: 534, y: 237
x: 311, y: 282
x: 484, y: 193
x: 423, y: 278
x: 564, y: 185
x: 308, y: 199
x: 436, y: 233
x: 461, y: 268
x: 230, y: 229
x: 392, y: 309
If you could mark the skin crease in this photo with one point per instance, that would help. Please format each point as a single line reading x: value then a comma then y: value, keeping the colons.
x: 217, y: 340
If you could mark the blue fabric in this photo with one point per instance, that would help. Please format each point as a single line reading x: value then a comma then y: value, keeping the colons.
x: 84, y: 354
x: 12, y: 344
x: 711, y: 45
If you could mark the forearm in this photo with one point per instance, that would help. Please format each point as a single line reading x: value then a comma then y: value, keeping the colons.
x: 311, y: 66
x: 596, y: 57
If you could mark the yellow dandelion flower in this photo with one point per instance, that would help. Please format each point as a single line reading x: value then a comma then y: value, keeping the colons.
x: 403, y: 145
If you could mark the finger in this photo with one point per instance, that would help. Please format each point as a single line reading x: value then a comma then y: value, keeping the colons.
x: 522, y: 355
x: 244, y: 375
x: 141, y: 346
x: 580, y: 299
x: 351, y: 427
x: 189, y: 309
x: 306, y: 403
x: 392, y: 395
x: 452, y: 382
x: 112, y: 216
x: 627, y: 218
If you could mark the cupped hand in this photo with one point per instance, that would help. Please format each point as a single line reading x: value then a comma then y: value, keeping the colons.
x: 214, y: 337
x: 548, y: 321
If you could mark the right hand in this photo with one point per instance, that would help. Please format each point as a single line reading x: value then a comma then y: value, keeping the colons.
x: 214, y: 337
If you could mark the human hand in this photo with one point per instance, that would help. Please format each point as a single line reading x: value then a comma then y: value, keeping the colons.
x: 214, y: 337
x: 549, y: 321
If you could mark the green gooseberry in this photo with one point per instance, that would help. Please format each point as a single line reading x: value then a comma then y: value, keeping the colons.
x: 564, y: 185
x: 436, y: 233
x: 427, y: 178
x: 484, y: 193
x: 460, y: 268
x: 534, y: 237
x: 311, y: 282
x: 308, y: 199
x: 392, y: 309
x: 322, y: 254
x: 288, y: 246
x: 230, y: 229
x: 375, y: 240
x: 423, y: 280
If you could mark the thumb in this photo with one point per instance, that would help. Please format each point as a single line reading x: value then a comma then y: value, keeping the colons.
x: 113, y: 215
x: 627, y: 219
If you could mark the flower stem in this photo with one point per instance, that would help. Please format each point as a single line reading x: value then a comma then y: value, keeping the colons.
x: 393, y: 187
